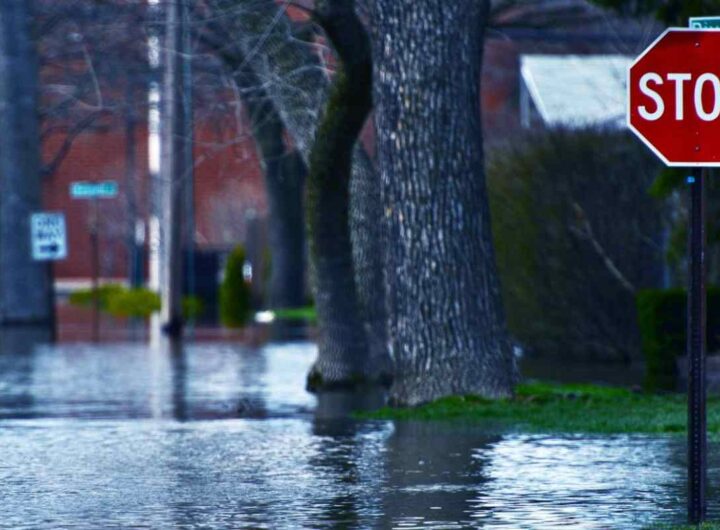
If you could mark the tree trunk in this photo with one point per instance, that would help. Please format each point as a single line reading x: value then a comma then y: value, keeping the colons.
x: 24, y: 283
x: 296, y: 83
x: 284, y: 182
x: 368, y: 247
x: 343, y: 344
x: 284, y: 176
x: 446, y: 323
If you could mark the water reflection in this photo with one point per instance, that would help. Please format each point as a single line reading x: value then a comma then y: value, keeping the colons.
x: 178, y: 365
x: 578, y: 482
x: 342, y: 456
x: 433, y: 475
x: 17, y: 351
x: 223, y: 435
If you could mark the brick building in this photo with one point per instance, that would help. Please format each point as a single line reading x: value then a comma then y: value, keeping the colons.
x: 228, y: 183
x: 228, y: 189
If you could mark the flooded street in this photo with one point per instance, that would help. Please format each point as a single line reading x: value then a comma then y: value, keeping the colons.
x: 222, y: 435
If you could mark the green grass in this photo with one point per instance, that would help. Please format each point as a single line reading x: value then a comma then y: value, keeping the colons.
x: 297, y: 313
x: 568, y: 408
x: 706, y: 526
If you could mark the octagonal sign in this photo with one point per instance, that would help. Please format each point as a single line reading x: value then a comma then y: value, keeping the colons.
x: 674, y: 97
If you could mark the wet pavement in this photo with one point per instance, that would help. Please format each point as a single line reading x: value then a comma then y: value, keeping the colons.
x: 223, y: 435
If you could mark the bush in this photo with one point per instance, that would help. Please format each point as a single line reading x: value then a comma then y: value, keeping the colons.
x: 561, y: 297
x: 193, y: 307
x: 662, y: 317
x: 235, y: 296
x: 120, y: 301
x: 85, y: 297
x: 134, y: 303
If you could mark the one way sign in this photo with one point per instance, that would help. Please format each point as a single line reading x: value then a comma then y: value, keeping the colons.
x: 48, y: 235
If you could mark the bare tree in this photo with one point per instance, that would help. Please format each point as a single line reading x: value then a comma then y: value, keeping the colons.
x: 291, y: 71
x: 284, y: 169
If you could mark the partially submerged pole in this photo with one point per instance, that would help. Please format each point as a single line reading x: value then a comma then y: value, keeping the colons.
x: 174, y: 169
x: 697, y: 420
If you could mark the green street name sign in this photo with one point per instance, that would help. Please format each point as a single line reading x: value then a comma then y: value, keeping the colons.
x: 94, y: 190
x: 704, y: 22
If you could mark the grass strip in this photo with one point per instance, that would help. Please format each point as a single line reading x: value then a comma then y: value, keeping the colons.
x: 297, y: 313
x: 566, y: 408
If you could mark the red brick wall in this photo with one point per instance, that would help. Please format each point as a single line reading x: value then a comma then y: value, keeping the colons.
x: 228, y: 183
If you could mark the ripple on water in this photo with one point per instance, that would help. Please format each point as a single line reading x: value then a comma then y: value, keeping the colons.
x: 224, y: 436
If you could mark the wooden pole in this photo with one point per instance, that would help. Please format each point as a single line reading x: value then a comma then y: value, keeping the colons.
x: 173, y: 167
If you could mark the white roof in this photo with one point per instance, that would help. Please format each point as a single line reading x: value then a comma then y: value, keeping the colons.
x: 577, y: 90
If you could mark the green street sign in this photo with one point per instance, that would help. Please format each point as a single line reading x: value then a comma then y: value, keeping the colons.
x: 94, y: 190
x: 704, y: 22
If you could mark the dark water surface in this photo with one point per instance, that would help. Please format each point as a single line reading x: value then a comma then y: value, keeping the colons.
x: 224, y: 436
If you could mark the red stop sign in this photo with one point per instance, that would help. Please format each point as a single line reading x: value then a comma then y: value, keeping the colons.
x: 674, y: 91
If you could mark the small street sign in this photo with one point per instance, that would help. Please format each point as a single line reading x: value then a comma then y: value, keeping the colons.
x: 48, y: 236
x: 94, y: 190
x: 704, y: 22
x: 674, y: 97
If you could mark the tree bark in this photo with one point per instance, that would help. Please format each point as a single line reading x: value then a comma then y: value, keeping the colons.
x: 368, y: 248
x: 446, y: 322
x: 24, y: 283
x: 343, y: 343
x: 296, y: 83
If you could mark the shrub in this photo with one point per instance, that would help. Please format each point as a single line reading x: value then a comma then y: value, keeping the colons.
x: 135, y: 303
x: 85, y: 297
x: 561, y: 297
x: 193, y: 307
x: 662, y: 317
x: 120, y: 301
x: 235, y: 296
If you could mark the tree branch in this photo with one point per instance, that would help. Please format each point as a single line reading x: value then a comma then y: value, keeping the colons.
x: 585, y: 231
x: 64, y: 149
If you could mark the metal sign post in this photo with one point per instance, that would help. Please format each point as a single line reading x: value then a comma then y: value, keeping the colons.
x: 696, y: 342
x: 674, y: 107
x: 94, y: 191
x: 697, y: 335
x: 95, y: 250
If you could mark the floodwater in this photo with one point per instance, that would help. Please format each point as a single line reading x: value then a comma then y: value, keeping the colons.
x: 223, y: 435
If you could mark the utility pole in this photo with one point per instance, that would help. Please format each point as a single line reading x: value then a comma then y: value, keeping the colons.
x: 189, y: 159
x: 174, y: 170
x: 153, y: 120
x: 25, y: 294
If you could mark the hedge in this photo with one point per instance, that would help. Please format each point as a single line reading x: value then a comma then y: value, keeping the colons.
x: 133, y: 303
x: 140, y: 302
x: 85, y: 297
x: 555, y: 197
x: 662, y: 317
